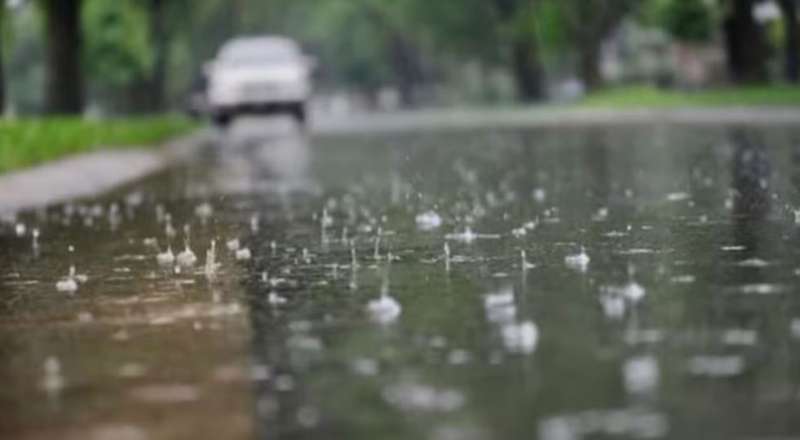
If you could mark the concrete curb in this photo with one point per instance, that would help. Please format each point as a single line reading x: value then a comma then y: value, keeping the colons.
x: 91, y: 173
x: 544, y: 117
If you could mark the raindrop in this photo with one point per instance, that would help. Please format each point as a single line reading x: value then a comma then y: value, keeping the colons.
x: 520, y: 338
x: 613, y: 306
x: 233, y: 245
x: 365, y: 366
x: 641, y: 374
x: 353, y: 256
x: 326, y: 220
x: 168, y: 229
x: 275, y: 299
x: 428, y: 220
x: 68, y: 284
x: 678, y: 196
x: 150, y: 241
x: 539, y: 195
x: 417, y: 397
x: 600, y: 215
x: 211, y: 256
x: 579, y: 262
x: 284, y: 382
x: 524, y: 261
x: 385, y: 309
x: 500, y: 307
x: 740, y: 336
x: 204, y: 211
x: 187, y: 258
x: 53, y: 380
x: 633, y: 291
x: 254, y: 223
x: 753, y: 262
x: 377, y: 252
x: 166, y: 258
x: 467, y: 236
x: 243, y: 254
x: 307, y: 417
x: 716, y: 366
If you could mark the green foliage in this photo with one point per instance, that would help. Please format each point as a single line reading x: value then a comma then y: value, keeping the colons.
x: 687, y: 20
x: 117, y: 47
x: 552, y: 28
x: 30, y: 141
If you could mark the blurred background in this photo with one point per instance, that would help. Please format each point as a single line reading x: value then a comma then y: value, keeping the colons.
x: 101, y: 57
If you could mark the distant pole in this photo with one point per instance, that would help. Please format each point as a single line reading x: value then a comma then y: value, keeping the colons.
x: 64, y: 87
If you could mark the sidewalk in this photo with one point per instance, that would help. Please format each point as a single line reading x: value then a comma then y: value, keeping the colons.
x: 89, y: 174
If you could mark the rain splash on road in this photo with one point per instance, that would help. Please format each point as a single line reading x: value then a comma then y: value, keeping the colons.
x: 627, y: 282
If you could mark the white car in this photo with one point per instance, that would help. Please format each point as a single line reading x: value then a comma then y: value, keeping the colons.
x: 258, y: 75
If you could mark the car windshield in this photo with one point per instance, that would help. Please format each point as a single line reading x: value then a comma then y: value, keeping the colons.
x: 256, y: 53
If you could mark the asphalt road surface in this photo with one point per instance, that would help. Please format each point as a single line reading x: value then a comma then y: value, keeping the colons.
x: 465, y: 282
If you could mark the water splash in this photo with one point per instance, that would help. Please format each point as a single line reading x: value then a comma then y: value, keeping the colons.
x: 384, y: 310
x: 69, y: 284
x: 579, y: 262
x: 428, y: 220
x: 166, y: 258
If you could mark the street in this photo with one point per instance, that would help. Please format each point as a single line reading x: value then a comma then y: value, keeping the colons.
x: 635, y: 281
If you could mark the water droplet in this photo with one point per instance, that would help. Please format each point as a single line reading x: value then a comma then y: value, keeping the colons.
x: 428, y: 220
x: 384, y: 310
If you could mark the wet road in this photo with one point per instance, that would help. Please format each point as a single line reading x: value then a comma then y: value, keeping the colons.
x: 565, y: 283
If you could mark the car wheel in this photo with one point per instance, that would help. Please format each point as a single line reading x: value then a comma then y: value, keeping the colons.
x: 222, y: 120
x: 299, y: 113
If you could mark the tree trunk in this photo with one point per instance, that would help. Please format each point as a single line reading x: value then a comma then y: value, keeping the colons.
x: 528, y: 72
x: 792, y: 42
x: 160, y: 41
x: 2, y: 72
x: 745, y: 44
x: 407, y: 68
x: 590, y: 65
x: 64, y: 88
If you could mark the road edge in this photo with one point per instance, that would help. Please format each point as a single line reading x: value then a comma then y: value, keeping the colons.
x: 553, y: 117
x: 92, y: 173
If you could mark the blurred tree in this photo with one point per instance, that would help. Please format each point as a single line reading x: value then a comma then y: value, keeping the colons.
x: 745, y: 44
x: 792, y: 39
x: 167, y: 19
x: 517, y: 22
x: 687, y: 20
x: 64, y: 83
x: 589, y: 23
x: 119, y: 57
x: 159, y: 40
x: 3, y: 14
x: 402, y: 51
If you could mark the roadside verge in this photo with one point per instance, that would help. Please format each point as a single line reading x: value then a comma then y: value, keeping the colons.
x: 90, y: 173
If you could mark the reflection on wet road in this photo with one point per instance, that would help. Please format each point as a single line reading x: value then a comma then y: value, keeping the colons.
x: 477, y: 284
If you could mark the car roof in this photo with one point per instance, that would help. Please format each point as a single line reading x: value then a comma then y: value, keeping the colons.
x: 262, y: 44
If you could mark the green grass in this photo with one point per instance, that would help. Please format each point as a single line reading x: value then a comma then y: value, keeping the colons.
x: 650, y: 97
x: 27, y: 142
